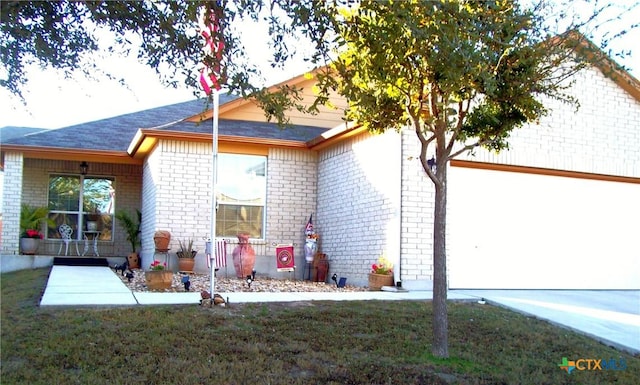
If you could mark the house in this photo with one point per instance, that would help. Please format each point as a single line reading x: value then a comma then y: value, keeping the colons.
x: 559, y: 210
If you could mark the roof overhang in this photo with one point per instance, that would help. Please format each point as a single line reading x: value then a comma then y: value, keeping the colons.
x: 604, y: 62
x: 145, y: 141
x: 74, y: 154
x: 335, y: 135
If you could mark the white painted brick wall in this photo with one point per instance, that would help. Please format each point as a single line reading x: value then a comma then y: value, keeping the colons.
x: 602, y: 137
x: 176, y: 189
x: 291, y: 198
x: 11, y: 201
x: 176, y: 197
x: 359, y: 204
x: 417, y: 217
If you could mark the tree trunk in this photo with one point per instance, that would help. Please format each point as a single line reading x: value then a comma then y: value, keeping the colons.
x: 440, y: 346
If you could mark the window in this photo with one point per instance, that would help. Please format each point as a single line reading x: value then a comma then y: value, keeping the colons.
x: 242, y: 191
x: 85, y: 203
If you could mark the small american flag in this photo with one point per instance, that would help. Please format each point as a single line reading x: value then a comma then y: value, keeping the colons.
x: 309, y: 228
x: 220, y: 254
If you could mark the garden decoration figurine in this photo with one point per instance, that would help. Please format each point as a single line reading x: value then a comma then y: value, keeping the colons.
x: 124, y: 267
x: 381, y: 274
x: 129, y: 275
x: 311, y: 241
x: 186, y: 282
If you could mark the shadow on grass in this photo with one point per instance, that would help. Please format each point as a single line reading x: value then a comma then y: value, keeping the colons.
x: 359, y: 342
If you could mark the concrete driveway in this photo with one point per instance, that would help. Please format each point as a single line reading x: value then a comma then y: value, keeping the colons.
x: 609, y: 316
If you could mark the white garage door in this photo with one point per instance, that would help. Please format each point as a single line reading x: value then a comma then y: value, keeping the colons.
x: 512, y: 230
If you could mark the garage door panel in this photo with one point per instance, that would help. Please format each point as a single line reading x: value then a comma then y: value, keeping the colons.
x: 525, y: 231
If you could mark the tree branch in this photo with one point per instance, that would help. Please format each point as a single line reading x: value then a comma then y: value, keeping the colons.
x: 470, y: 146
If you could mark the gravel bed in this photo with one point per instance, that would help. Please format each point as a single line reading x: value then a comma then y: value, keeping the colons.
x: 200, y: 282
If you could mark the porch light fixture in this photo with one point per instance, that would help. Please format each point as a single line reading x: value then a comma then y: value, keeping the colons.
x: 84, y: 167
x: 432, y: 164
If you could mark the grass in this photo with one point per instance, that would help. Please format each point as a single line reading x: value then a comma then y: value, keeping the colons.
x: 368, y: 342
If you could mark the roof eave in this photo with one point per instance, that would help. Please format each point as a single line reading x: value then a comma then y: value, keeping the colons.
x: 605, y: 64
x: 335, y: 135
x: 146, y: 139
x: 62, y: 153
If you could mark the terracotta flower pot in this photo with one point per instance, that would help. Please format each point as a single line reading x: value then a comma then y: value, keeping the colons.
x: 186, y: 264
x: 158, y: 279
x: 376, y: 281
x: 161, y: 238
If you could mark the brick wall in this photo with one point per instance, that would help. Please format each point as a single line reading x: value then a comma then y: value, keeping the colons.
x: 176, y: 189
x: 176, y: 197
x: 418, y: 195
x: 11, y: 201
x: 359, y: 204
x: 291, y: 197
x: 601, y: 137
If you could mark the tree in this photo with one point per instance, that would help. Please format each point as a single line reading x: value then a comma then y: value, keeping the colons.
x: 460, y: 74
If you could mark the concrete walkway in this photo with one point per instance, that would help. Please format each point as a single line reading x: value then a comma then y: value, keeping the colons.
x: 612, y: 317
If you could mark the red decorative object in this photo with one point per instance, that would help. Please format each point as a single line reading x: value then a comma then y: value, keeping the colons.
x: 284, y: 258
x: 244, y: 257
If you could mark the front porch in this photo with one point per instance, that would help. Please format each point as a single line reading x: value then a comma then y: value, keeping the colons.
x: 9, y: 263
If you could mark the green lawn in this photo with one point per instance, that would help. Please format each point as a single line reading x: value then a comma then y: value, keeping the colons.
x: 369, y: 342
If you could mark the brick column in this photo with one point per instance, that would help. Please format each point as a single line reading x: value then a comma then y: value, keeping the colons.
x: 11, y: 200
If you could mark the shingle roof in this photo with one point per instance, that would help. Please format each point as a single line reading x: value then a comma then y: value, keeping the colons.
x: 110, y: 134
x: 115, y: 134
x: 249, y: 129
x: 11, y: 132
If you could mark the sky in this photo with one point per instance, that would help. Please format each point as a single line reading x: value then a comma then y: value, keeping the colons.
x: 54, y: 102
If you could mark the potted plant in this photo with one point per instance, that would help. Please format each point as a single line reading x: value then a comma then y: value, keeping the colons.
x: 158, y: 277
x: 31, y: 220
x: 381, y: 274
x: 132, y: 228
x: 186, y: 255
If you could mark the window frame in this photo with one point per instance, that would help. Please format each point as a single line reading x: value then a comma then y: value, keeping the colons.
x: 81, y: 215
x: 220, y: 202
